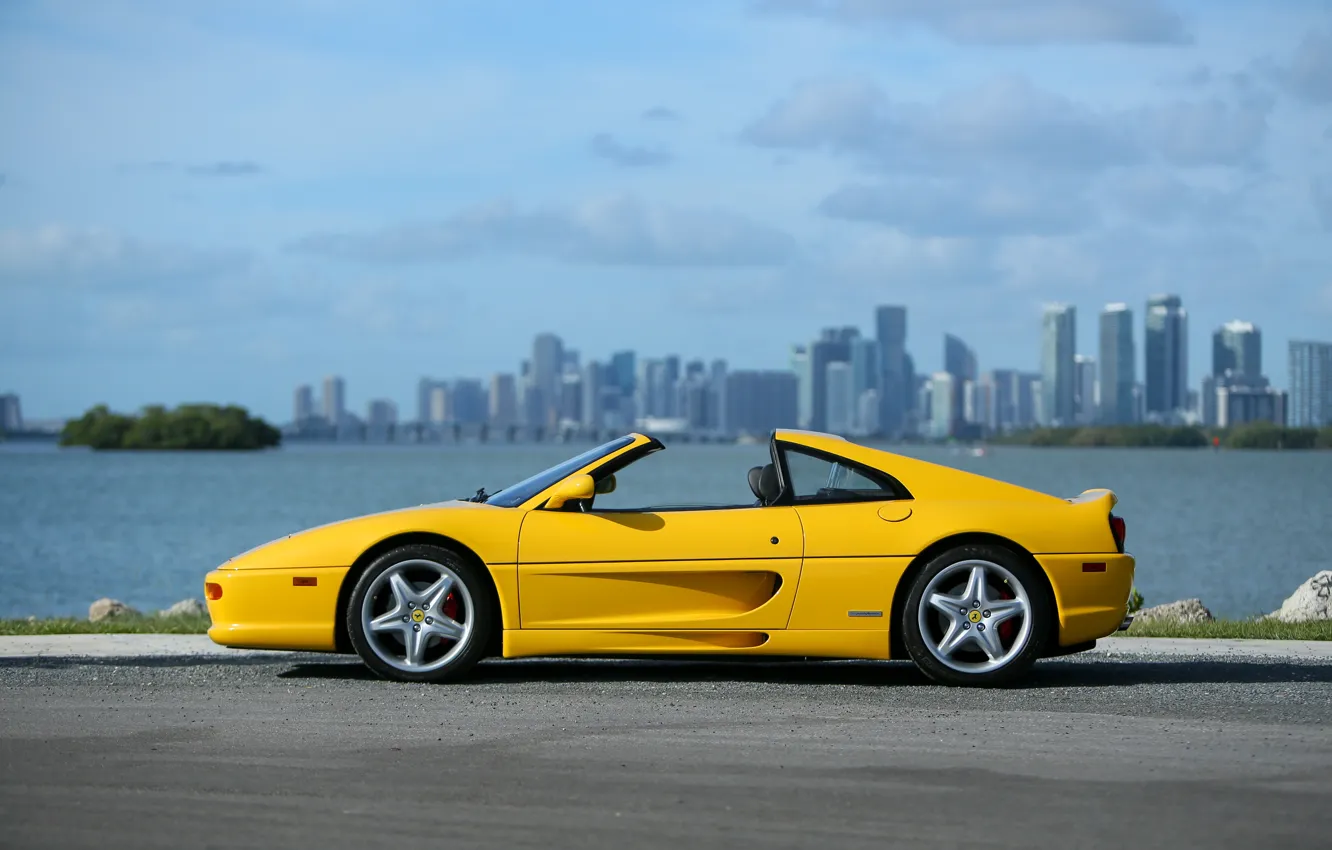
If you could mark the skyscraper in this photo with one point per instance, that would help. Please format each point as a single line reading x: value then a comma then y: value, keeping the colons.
x: 1237, y: 354
x: 1084, y: 385
x: 832, y: 346
x: 1310, y: 384
x: 865, y: 364
x: 503, y: 400
x: 960, y: 362
x: 1167, y: 360
x: 804, y: 386
x: 546, y: 378
x: 1059, y: 345
x: 758, y: 402
x: 840, y: 395
x: 335, y: 400
x: 11, y: 413
x: 897, y: 390
x: 1118, y: 365
x: 593, y: 408
x: 303, y: 404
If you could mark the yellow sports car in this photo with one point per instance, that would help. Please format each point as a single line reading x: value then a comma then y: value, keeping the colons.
x: 845, y: 552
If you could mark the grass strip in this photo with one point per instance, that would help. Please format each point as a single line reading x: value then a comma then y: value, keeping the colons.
x: 189, y: 624
x: 1245, y: 629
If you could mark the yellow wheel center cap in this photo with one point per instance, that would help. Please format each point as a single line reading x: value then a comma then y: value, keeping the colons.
x: 418, y: 615
x: 973, y: 615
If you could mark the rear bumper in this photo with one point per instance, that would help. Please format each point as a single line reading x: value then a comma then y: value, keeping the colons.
x: 1092, y: 592
x: 274, y: 609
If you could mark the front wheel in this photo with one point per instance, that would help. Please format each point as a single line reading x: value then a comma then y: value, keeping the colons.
x: 977, y: 615
x: 420, y: 614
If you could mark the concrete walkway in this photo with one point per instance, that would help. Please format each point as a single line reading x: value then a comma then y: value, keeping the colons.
x: 192, y: 646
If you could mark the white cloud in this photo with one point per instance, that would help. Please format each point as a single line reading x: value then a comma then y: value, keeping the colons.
x: 957, y: 207
x: 1308, y: 74
x: 615, y: 230
x: 98, y: 257
x: 1004, y: 21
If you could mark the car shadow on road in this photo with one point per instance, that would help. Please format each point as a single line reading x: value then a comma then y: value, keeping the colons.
x: 1047, y: 674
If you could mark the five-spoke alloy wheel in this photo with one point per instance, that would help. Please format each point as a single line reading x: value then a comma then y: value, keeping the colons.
x: 420, y: 614
x: 976, y: 615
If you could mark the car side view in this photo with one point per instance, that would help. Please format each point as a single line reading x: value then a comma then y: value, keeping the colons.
x: 845, y: 551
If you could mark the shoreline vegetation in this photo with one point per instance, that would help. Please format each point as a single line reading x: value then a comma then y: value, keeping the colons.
x: 1258, y: 435
x: 208, y: 427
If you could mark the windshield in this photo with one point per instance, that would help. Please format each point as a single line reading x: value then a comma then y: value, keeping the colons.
x: 515, y: 494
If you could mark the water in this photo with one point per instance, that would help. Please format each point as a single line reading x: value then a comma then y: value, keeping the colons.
x: 1241, y: 530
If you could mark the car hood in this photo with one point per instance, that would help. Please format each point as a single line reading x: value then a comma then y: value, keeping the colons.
x: 339, y: 544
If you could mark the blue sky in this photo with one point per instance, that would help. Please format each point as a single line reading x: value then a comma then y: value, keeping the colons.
x: 220, y: 201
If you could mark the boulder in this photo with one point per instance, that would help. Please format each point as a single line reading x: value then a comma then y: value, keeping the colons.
x: 185, y: 608
x: 1310, y: 601
x: 107, y: 609
x: 1183, y: 611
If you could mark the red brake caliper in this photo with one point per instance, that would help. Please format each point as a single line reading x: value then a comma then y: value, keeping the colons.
x: 1008, y: 627
x: 451, y: 606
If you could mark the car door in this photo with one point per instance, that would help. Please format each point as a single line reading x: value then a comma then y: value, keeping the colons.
x: 710, y: 568
x: 854, y: 520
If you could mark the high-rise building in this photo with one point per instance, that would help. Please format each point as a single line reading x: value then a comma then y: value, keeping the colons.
x: 11, y: 413
x: 840, y: 398
x: 1118, y: 365
x: 547, y: 372
x: 1240, y: 405
x: 1001, y: 395
x: 1085, y: 395
x: 335, y: 400
x: 757, y: 402
x: 960, y: 362
x: 570, y: 411
x: 470, y: 401
x: 439, y: 412
x: 1310, y: 384
x: 943, y: 403
x: 303, y: 407
x: 621, y: 373
x: 867, y: 413
x: 1237, y: 353
x: 897, y: 388
x: 503, y: 400
x: 832, y: 346
x: 865, y: 364
x: 1058, y: 356
x: 1166, y: 367
x: 425, y: 389
x: 804, y: 386
x: 380, y: 419
x: 593, y: 408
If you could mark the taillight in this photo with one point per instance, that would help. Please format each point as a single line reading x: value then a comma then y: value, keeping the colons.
x: 1119, y: 530
x: 212, y: 590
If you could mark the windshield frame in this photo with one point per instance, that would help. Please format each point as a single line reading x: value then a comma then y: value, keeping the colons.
x: 517, y: 494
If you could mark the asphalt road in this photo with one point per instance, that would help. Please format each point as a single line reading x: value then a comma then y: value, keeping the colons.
x: 311, y: 751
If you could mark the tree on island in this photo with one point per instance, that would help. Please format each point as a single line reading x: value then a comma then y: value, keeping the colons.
x: 190, y: 426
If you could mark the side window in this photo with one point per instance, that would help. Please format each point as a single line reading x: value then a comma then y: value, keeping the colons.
x: 818, y: 479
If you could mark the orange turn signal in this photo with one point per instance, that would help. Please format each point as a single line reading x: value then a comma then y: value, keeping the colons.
x: 212, y: 590
x: 304, y: 581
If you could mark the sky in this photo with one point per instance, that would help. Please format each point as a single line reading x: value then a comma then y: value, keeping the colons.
x: 219, y: 201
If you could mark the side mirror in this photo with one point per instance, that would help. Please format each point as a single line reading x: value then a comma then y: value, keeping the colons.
x: 606, y: 485
x: 571, y: 489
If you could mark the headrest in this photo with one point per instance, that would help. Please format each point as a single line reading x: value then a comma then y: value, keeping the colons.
x: 755, y: 477
x: 769, y: 488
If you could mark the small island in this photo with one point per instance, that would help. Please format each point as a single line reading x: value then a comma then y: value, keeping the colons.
x: 1257, y: 435
x: 206, y: 427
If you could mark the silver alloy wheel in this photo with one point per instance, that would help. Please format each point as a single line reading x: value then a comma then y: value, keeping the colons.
x: 962, y: 602
x: 404, y: 620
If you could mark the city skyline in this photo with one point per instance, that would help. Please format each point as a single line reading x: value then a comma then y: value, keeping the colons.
x: 431, y: 186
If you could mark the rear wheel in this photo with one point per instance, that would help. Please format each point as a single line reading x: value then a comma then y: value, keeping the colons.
x: 976, y: 615
x: 420, y: 613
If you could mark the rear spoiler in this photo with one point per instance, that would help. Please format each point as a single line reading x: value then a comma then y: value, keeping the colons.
x: 1097, y: 495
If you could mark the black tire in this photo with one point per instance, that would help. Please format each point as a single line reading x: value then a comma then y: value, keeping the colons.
x: 1010, y: 583
x: 415, y: 564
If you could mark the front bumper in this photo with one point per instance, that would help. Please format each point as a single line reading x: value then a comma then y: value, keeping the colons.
x: 294, y: 609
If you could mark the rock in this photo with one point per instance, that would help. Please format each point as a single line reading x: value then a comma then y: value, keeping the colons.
x: 1183, y: 611
x: 185, y: 608
x: 106, y: 609
x: 1310, y: 601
